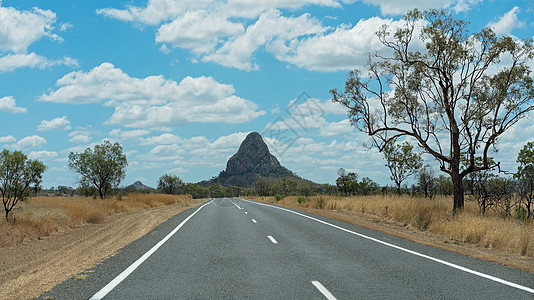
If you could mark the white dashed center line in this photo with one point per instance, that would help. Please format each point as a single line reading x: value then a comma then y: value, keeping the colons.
x: 323, y: 290
x: 246, y: 213
x: 254, y: 221
x: 272, y: 240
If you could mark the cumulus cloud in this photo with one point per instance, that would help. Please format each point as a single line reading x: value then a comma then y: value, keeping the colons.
x: 271, y: 28
x: 128, y: 134
x: 163, y: 139
x: 20, y: 29
x: 11, y: 62
x: 80, y: 136
x: 197, y: 31
x: 343, y: 49
x: 229, y: 33
x: 8, y: 104
x: 507, y: 23
x: 29, y: 142
x: 56, y: 123
x: 7, y: 139
x: 395, y: 7
x: 42, y: 155
x: 154, y: 102
x: 337, y: 128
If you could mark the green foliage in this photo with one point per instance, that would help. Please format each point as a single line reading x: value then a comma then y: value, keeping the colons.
x: 525, y: 178
x: 347, y: 183
x: 301, y: 199
x: 104, y: 166
x: 401, y: 161
x: 320, y: 202
x: 170, y: 184
x: 197, y: 191
x: 278, y: 197
x: 19, y: 176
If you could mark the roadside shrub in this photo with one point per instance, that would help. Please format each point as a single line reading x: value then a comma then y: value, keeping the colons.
x: 320, y: 202
x: 301, y: 199
x: 278, y: 197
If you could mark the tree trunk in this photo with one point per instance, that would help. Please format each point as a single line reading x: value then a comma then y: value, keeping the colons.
x: 458, y: 191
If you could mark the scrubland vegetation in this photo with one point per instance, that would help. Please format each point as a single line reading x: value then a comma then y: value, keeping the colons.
x: 38, y: 217
x: 490, y: 230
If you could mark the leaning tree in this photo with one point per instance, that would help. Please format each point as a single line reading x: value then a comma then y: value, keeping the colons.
x: 452, y: 92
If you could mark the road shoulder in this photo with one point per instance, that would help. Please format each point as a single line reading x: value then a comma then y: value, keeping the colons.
x: 29, y: 269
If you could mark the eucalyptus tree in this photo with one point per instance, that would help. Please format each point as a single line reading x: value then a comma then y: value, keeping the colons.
x: 454, y: 96
x: 104, y: 166
x: 18, y: 177
x: 401, y: 161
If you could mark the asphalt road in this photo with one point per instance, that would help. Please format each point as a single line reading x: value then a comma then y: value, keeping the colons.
x: 237, y: 249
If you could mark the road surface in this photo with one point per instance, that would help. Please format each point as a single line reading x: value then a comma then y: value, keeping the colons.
x: 238, y: 249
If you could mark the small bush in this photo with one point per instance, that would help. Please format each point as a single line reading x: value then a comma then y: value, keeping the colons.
x: 278, y: 197
x: 320, y: 203
x: 301, y: 199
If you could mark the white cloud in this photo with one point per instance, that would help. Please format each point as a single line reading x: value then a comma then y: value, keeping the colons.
x: 337, y: 128
x: 395, y: 7
x: 164, y: 139
x: 65, y: 26
x: 12, y: 62
x: 8, y: 104
x: 507, y: 23
x: 158, y: 11
x: 28, y: 142
x: 7, y: 139
x: 43, y: 155
x: 270, y: 29
x: 341, y: 50
x: 19, y: 29
x: 56, y: 123
x: 154, y: 102
x: 163, y: 153
x: 197, y: 31
x: 80, y: 136
x: 128, y: 134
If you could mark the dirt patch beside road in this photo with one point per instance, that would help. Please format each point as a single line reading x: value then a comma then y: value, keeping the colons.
x: 29, y: 269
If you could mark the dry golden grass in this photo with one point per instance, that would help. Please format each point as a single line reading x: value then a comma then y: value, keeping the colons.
x: 40, y: 216
x: 435, y: 216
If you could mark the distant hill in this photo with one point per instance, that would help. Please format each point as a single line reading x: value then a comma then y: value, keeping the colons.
x: 138, y: 186
x: 252, y: 161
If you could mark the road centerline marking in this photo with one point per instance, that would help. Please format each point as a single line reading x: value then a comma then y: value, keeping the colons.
x: 323, y: 290
x: 272, y: 240
x: 254, y: 221
x: 113, y: 283
x: 440, y: 261
x: 246, y: 213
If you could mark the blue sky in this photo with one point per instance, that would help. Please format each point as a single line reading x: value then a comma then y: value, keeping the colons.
x: 180, y: 83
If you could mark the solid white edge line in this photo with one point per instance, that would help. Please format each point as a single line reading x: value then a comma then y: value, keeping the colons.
x: 458, y: 267
x: 272, y: 239
x: 113, y: 283
x: 239, y: 207
x: 323, y: 290
x: 254, y: 220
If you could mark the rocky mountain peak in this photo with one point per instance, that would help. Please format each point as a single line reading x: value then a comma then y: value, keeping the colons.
x: 251, y: 162
x: 253, y: 156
